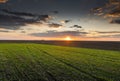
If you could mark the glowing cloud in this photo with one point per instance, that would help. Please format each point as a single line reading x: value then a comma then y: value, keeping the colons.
x: 110, y: 10
x: 3, y: 1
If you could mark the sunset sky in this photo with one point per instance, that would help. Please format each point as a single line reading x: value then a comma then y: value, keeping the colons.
x: 60, y: 19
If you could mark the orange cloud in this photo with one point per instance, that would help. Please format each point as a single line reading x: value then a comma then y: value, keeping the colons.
x: 110, y: 10
x: 3, y: 1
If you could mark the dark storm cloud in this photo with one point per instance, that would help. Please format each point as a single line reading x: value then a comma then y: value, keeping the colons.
x: 18, y: 13
x: 25, y: 14
x: 11, y: 22
x: 59, y: 34
x: 24, y: 11
x: 76, y: 26
x: 54, y: 25
x: 15, y: 20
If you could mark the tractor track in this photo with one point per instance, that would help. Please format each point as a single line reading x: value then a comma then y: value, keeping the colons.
x: 68, y: 64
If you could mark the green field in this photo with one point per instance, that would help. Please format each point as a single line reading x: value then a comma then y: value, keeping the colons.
x: 39, y: 62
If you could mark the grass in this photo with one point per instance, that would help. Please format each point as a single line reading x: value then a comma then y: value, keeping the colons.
x: 39, y: 62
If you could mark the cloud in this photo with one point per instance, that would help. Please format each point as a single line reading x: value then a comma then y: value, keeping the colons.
x: 54, y: 25
x: 11, y: 22
x: 107, y: 36
x: 113, y: 13
x: 65, y: 21
x: 110, y: 10
x: 59, y: 34
x: 17, y: 13
x: 55, y: 12
x: 117, y: 21
x: 112, y: 32
x: 23, y: 31
x: 103, y: 34
x: 45, y: 18
x: 116, y: 36
x: 3, y: 1
x: 15, y: 20
x: 28, y: 15
x: 76, y: 26
x: 4, y: 31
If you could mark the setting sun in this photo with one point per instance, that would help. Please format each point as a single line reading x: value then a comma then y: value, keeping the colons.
x: 68, y: 38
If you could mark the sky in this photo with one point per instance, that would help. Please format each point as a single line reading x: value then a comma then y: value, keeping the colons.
x: 93, y: 20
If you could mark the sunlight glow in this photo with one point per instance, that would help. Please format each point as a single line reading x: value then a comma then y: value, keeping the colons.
x: 68, y: 38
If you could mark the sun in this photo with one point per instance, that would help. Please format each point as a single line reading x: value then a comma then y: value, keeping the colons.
x: 68, y: 38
